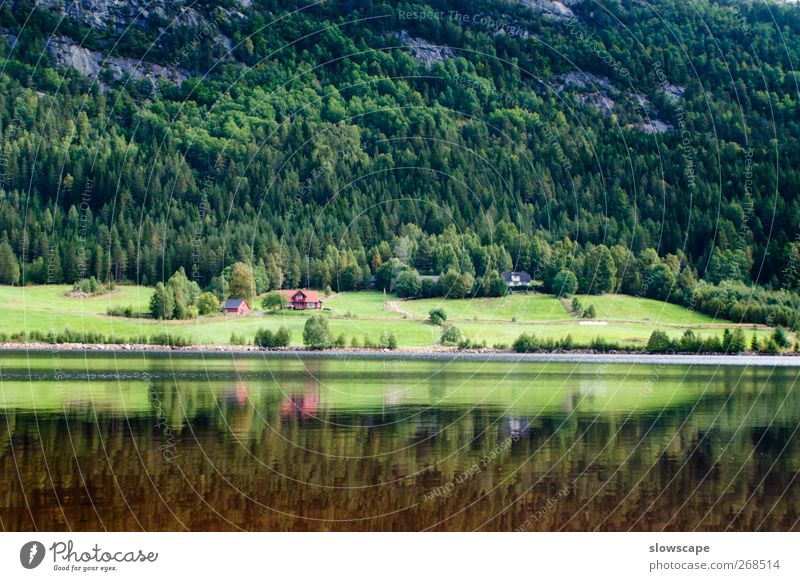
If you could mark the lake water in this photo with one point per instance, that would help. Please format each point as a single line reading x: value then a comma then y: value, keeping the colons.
x: 134, y: 442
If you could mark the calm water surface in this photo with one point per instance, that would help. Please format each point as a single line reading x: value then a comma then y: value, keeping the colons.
x: 134, y: 442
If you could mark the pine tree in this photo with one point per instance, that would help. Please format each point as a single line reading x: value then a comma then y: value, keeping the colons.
x: 9, y: 268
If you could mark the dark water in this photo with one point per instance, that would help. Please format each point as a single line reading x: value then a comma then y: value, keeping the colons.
x: 135, y: 443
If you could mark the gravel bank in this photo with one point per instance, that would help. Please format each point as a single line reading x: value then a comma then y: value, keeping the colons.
x: 432, y: 354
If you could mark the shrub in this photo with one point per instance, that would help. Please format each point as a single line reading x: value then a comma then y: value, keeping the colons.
x: 451, y: 335
x: 437, y: 316
x: 689, y: 342
x: 456, y: 285
x: 264, y: 338
x: 128, y: 311
x: 341, y: 341
x: 494, y: 285
x: 238, y: 339
x: 467, y: 343
x: 283, y: 337
x: 388, y: 341
x: 525, y: 343
x: 658, y: 342
x: 274, y: 301
x: 354, y: 342
x: 726, y: 340
x: 712, y: 344
x: 738, y: 341
x: 565, y: 283
x: 733, y: 342
x: 269, y: 340
x: 429, y: 288
x: 89, y: 286
x: 602, y: 344
x: 780, y: 337
x: 207, y: 304
x: 770, y: 346
x: 408, y: 284
x: 167, y: 339
x: 590, y: 313
x: 317, y: 333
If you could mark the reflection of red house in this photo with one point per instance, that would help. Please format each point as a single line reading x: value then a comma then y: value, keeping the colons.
x: 301, y: 300
x: 303, y: 406
x: 237, y: 306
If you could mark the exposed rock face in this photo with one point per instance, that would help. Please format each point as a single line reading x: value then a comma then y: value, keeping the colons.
x: 654, y: 126
x: 595, y: 90
x: 118, y: 17
x: 121, y: 13
x: 586, y: 81
x: 552, y: 8
x: 673, y: 92
x: 424, y: 51
x: 599, y: 100
x: 598, y: 91
x: 66, y: 53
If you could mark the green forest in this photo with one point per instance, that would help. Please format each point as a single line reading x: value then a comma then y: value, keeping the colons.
x: 341, y: 144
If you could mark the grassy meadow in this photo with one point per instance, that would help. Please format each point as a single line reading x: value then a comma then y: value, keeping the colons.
x: 623, y: 319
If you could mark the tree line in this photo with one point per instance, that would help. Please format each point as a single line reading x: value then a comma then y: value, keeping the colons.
x: 305, y: 179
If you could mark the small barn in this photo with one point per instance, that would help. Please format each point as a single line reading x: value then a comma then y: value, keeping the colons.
x: 236, y: 306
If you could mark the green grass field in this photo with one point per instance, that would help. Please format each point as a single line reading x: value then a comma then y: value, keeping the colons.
x: 636, y: 309
x: 628, y: 320
x: 520, y: 307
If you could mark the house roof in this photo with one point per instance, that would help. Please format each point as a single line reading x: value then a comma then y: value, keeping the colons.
x: 523, y: 276
x: 234, y: 303
x: 311, y: 295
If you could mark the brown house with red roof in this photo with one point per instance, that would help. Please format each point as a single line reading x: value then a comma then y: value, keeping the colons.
x: 302, y: 300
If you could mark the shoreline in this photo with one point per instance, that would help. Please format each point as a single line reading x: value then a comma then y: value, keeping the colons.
x: 420, y: 354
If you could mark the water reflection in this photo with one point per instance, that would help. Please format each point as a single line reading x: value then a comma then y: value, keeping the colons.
x: 328, y: 445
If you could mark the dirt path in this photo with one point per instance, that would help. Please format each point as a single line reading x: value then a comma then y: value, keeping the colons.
x: 567, y: 304
x: 395, y: 308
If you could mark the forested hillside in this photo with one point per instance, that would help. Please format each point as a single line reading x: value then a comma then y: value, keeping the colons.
x: 643, y: 146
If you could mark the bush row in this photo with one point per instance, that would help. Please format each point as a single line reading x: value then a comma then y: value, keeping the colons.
x: 92, y: 337
x: 659, y: 342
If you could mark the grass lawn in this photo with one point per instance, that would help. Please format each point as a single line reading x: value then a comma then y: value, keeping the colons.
x: 626, y: 308
x: 363, y: 304
x: 630, y: 319
x: 53, y: 298
x: 522, y: 307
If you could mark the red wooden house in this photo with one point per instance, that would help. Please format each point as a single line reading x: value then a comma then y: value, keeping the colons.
x: 236, y: 306
x: 302, y: 300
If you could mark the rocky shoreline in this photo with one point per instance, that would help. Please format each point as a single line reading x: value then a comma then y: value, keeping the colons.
x: 420, y: 354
